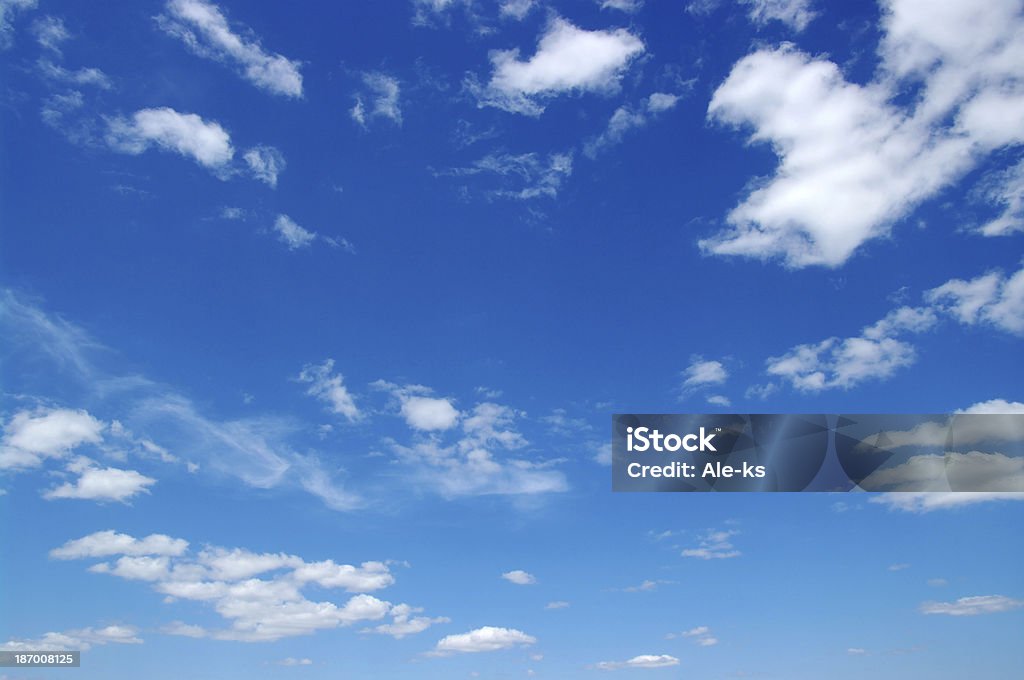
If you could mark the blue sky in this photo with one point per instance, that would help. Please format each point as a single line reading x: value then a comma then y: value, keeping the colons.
x: 314, y: 318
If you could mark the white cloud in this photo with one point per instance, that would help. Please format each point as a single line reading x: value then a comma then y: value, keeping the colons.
x: 995, y: 406
x: 519, y: 577
x: 31, y: 436
x: 109, y: 542
x: 429, y: 413
x: 567, y: 59
x: 921, y: 502
x: 76, y: 640
x: 976, y: 471
x: 485, y: 639
x: 704, y: 372
x: 403, y: 622
x: 973, y: 606
x: 516, y: 9
x: 9, y: 8
x: 255, y: 450
x: 719, y: 400
x: 383, y: 95
x: 992, y: 299
x: 183, y: 629
x: 844, y: 363
x: 103, y: 484
x: 267, y: 608
x: 292, y: 661
x: 626, y: 118
x: 526, y: 176
x: 472, y: 465
x: 853, y: 160
x: 641, y: 661
x: 856, y: 651
x: 83, y: 76
x: 50, y: 33
x: 714, y: 545
x: 796, y: 14
x: 701, y: 636
x: 329, y: 387
x: 184, y: 133
x: 557, y: 604
x: 628, y: 6
x: 1006, y: 189
x: 291, y: 234
x: 265, y: 163
x: 204, y: 29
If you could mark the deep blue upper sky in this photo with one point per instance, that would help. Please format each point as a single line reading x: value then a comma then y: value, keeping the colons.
x: 364, y: 282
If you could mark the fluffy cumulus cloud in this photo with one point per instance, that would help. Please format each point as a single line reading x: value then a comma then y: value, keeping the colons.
x: 523, y: 176
x: 701, y: 373
x: 380, y: 100
x: 519, y: 577
x: 853, y: 159
x: 103, y: 484
x: 993, y: 299
x: 485, y: 639
x: 641, y: 661
x: 405, y: 622
x: 31, y: 436
x: 714, y: 545
x: 882, y: 348
x: 207, y: 143
x: 107, y: 543
x: 76, y: 640
x: 205, y: 30
x: 329, y: 387
x: 567, y: 59
x: 265, y: 163
x: 259, y: 595
x: 467, y: 453
x: 973, y: 606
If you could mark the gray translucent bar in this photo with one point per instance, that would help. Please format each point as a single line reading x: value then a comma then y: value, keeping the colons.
x: 40, y: 659
x: 818, y: 452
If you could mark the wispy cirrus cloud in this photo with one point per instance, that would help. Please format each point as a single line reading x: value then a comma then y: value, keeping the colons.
x: 205, y: 30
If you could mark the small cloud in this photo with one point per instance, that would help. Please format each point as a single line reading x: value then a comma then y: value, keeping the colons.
x: 519, y: 577
x: 291, y: 234
x: 856, y: 651
x: 973, y: 606
x: 701, y: 373
x: 485, y: 639
x: 937, y: 582
x: 715, y: 545
x: 265, y: 163
x: 642, y: 661
x: 899, y: 567
x: 557, y: 604
x: 291, y: 661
